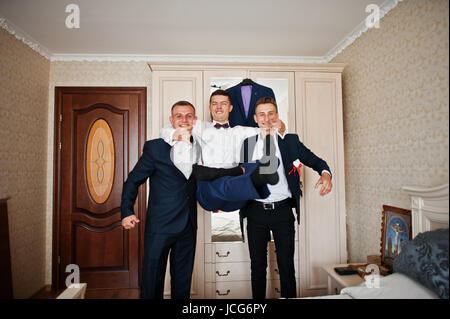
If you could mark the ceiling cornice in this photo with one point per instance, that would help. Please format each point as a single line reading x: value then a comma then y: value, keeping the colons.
x: 175, y: 58
x: 155, y: 58
x: 387, y: 6
x: 24, y: 37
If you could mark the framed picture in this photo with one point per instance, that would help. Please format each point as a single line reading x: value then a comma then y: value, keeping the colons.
x: 395, y: 233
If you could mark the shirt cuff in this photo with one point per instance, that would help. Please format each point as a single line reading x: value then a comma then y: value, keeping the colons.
x: 172, y: 142
x: 325, y: 171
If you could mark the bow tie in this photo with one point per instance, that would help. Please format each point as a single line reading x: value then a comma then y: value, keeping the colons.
x: 218, y: 125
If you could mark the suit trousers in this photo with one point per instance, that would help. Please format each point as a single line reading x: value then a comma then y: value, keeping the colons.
x: 281, y: 222
x: 230, y: 193
x: 182, y: 252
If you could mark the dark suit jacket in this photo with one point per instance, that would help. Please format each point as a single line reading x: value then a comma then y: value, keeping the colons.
x: 237, y: 115
x: 291, y: 149
x: 172, y: 202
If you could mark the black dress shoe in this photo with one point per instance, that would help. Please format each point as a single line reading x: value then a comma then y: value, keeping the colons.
x: 259, y: 179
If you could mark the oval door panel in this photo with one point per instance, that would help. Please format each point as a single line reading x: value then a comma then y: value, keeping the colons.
x: 100, y: 161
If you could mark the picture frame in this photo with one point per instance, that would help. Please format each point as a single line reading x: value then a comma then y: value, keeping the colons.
x: 396, y: 232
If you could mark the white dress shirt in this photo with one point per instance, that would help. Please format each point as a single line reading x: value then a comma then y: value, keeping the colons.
x: 280, y: 190
x: 220, y: 148
x: 183, y: 155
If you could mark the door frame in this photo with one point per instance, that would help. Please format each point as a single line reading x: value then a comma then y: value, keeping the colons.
x: 142, y: 130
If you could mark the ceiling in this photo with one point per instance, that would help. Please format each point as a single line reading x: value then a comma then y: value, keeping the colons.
x: 291, y: 28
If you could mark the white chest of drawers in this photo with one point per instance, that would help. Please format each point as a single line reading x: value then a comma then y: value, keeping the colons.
x: 228, y: 274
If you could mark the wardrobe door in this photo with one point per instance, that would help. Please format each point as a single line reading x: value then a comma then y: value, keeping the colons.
x: 170, y: 87
x: 322, y: 226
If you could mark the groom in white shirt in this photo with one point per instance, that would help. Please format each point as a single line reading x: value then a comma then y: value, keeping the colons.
x: 222, y: 183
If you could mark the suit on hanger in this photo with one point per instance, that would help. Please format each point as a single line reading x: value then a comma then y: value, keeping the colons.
x: 171, y: 223
x: 237, y: 114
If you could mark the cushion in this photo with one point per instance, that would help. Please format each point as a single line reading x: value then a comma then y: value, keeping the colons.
x: 425, y: 259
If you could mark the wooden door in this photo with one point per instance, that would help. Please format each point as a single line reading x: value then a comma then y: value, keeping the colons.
x: 99, y: 136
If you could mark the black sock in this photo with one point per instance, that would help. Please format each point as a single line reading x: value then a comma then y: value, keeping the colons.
x: 205, y: 173
x: 259, y: 179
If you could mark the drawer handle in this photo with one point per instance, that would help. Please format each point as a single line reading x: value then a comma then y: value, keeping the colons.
x: 218, y: 292
x: 276, y: 270
x: 219, y: 274
x: 218, y: 254
x: 277, y: 290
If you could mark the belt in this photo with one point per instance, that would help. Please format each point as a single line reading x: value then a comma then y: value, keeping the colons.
x: 273, y: 205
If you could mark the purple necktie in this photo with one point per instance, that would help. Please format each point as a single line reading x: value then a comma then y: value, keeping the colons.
x: 246, y: 92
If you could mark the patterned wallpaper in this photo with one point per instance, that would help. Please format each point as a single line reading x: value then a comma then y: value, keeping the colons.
x: 23, y: 154
x: 396, y: 115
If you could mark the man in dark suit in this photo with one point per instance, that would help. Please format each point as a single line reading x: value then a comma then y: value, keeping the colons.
x: 243, y: 97
x: 274, y: 213
x: 171, y: 223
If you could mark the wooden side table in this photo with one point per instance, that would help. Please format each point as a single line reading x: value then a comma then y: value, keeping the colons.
x: 337, y: 282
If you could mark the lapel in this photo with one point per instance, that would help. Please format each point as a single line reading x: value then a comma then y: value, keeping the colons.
x: 253, y: 99
x: 171, y: 164
x: 282, y: 145
x: 293, y: 179
x: 240, y: 105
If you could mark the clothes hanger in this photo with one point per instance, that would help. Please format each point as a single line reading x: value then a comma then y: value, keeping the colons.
x: 247, y: 82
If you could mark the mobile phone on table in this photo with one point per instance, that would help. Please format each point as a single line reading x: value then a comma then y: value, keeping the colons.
x: 344, y: 271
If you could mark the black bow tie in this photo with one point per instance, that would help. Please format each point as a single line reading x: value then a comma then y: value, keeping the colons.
x: 218, y: 125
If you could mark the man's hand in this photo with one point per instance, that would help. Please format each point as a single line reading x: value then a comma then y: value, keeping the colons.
x: 325, y: 181
x: 279, y: 126
x: 264, y: 132
x: 130, y: 221
x: 183, y: 134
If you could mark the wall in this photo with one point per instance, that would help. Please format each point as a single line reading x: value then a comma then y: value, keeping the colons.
x: 85, y: 74
x: 23, y: 154
x: 396, y: 115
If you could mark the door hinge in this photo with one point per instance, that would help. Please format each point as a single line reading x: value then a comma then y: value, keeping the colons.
x: 60, y: 117
x: 60, y: 146
x: 59, y: 260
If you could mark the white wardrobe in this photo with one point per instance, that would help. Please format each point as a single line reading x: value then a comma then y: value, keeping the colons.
x: 309, y: 98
